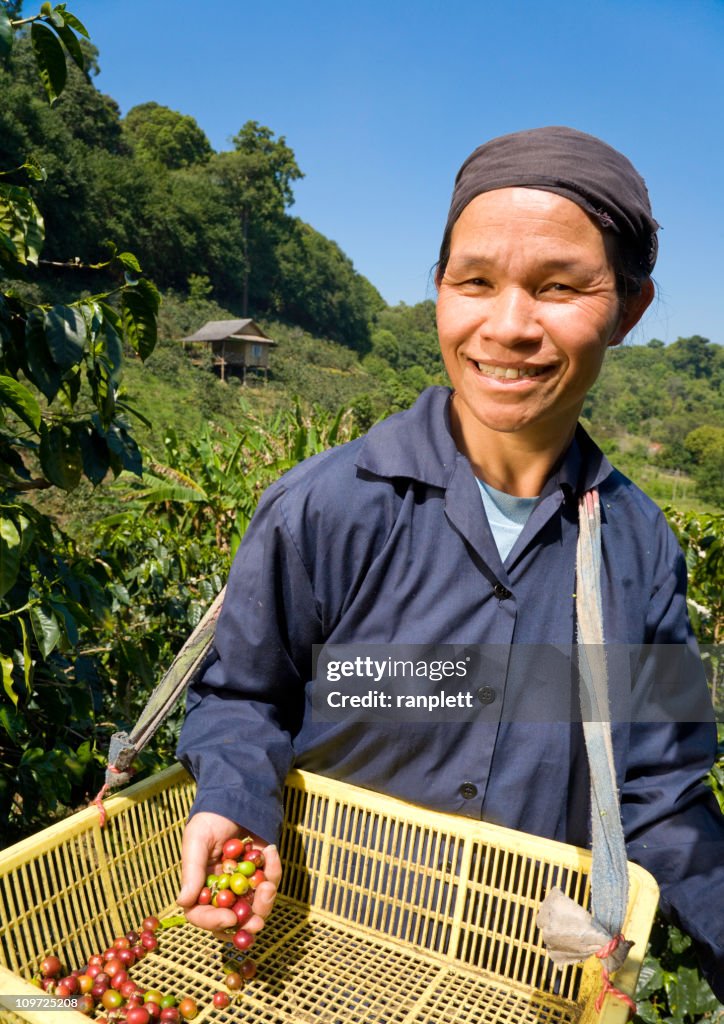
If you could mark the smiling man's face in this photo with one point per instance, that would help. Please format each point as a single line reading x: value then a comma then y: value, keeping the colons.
x: 527, y: 306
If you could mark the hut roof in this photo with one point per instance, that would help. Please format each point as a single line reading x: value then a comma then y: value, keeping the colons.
x: 219, y: 330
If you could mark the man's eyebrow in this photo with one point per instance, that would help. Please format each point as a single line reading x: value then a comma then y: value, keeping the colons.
x: 476, y: 261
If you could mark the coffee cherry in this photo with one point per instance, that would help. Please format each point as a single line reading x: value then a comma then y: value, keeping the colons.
x: 256, y: 857
x: 188, y: 1008
x: 111, y: 999
x: 138, y: 1015
x: 239, y: 884
x: 233, y: 981
x: 86, y: 1004
x: 113, y: 966
x: 221, y: 1000
x: 243, y: 939
x: 150, y: 924
x: 233, y: 849
x: 243, y: 912
x: 247, y: 969
x: 226, y: 898
x: 50, y: 967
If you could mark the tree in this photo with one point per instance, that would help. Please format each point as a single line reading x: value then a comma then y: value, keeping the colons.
x: 706, y: 446
x: 317, y: 287
x: 695, y: 355
x: 256, y: 180
x: 164, y: 136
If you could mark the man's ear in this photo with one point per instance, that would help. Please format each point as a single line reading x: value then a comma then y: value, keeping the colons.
x: 633, y: 309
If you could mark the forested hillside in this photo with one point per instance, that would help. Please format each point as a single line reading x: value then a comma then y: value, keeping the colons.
x: 215, y: 233
x: 151, y: 183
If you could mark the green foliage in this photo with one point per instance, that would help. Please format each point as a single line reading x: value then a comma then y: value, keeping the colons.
x: 671, y: 989
x: 162, y: 135
x: 648, y: 401
x: 706, y: 447
x: 60, y: 420
x: 318, y: 289
x: 152, y: 183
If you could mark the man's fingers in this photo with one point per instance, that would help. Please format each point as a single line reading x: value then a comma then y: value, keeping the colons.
x: 272, y: 865
x: 213, y: 918
x: 194, y: 862
x: 263, y: 900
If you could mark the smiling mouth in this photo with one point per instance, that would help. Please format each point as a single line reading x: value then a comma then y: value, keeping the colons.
x: 510, y: 372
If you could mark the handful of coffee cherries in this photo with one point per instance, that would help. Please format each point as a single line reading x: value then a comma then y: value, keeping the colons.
x: 242, y: 870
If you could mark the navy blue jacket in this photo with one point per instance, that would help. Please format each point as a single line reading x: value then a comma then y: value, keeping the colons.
x: 385, y: 540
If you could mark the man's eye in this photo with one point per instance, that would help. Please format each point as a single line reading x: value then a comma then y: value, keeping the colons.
x: 558, y: 286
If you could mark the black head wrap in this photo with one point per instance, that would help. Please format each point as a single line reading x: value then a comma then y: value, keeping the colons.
x: 577, y: 166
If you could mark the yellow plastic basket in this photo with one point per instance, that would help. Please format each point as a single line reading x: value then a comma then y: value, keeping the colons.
x: 387, y: 914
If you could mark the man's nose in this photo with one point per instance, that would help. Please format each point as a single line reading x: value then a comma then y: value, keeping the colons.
x: 510, y: 318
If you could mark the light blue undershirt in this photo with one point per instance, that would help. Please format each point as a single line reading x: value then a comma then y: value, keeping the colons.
x: 506, y: 514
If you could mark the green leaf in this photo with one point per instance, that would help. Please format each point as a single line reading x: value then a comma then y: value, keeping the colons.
x: 42, y: 370
x: 75, y: 23
x: 21, y: 401
x: 689, y: 995
x: 651, y: 978
x: 647, y: 1013
x: 129, y: 261
x: 65, y: 333
x: 7, y: 670
x: 60, y: 456
x: 125, y: 453
x: 70, y: 41
x: 27, y: 655
x: 10, y: 554
x: 95, y: 454
x: 50, y: 58
x: 13, y: 724
x: 104, y: 393
x: 45, y: 629
x: 6, y: 35
x: 139, y: 308
x: 21, y: 227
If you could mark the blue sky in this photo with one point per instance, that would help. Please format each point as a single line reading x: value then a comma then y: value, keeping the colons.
x: 382, y: 101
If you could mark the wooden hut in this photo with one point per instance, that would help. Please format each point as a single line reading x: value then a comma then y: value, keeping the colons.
x: 236, y: 346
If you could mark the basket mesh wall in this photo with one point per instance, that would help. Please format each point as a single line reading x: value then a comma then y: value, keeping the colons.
x: 387, y: 914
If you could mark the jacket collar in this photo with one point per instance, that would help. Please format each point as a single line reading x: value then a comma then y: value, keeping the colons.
x: 417, y: 444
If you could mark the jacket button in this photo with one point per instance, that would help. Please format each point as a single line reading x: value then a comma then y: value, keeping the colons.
x: 486, y: 694
x: 501, y: 592
x: 468, y: 790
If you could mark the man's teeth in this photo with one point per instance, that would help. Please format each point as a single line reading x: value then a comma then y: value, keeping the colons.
x: 510, y: 372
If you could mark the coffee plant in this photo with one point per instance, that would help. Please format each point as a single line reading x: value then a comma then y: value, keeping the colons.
x: 61, y: 421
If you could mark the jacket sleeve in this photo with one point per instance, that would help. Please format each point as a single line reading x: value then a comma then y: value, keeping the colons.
x: 672, y: 822
x: 241, y: 717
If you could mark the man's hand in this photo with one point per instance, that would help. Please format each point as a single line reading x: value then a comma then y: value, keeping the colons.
x: 203, y: 841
